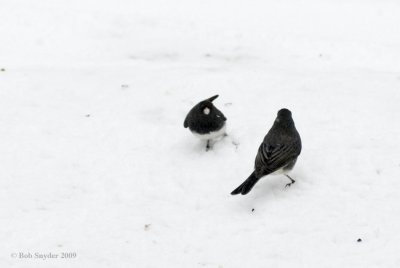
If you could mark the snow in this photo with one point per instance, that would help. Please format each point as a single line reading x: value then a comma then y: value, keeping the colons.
x: 95, y: 159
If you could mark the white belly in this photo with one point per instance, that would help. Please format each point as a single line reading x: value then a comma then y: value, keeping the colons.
x: 211, y: 135
x: 279, y: 172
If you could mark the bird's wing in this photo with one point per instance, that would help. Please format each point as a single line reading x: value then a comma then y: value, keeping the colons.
x: 273, y: 157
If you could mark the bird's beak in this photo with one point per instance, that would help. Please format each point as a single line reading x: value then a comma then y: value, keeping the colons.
x: 212, y: 98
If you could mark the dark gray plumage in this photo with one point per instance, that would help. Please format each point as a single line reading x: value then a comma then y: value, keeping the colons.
x: 277, y: 153
x: 205, y: 121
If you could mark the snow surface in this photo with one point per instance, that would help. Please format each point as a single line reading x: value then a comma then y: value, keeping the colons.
x: 95, y: 159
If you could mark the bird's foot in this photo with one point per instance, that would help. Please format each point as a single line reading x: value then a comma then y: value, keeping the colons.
x: 291, y: 181
x: 236, y: 144
x: 208, y: 147
x: 289, y: 184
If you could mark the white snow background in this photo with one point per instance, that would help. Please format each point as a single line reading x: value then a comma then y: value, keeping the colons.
x: 95, y: 159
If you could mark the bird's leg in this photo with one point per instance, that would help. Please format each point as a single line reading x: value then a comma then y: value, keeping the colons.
x: 292, y: 181
x: 208, y: 145
x: 236, y: 144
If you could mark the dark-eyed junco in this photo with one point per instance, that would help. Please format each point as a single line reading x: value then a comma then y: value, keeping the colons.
x: 277, y: 154
x: 205, y: 121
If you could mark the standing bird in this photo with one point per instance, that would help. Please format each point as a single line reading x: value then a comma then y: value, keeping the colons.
x: 205, y: 121
x: 277, y: 154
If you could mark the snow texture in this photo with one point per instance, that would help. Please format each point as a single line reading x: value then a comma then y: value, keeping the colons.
x: 95, y: 159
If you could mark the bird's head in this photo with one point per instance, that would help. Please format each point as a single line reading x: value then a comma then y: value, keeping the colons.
x: 284, y: 113
x: 284, y: 117
x: 206, y: 106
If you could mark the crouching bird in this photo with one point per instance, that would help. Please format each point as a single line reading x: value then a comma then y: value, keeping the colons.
x: 205, y: 121
x: 277, y: 154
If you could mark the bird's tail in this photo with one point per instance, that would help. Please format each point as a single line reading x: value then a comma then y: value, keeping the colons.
x: 247, y: 185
